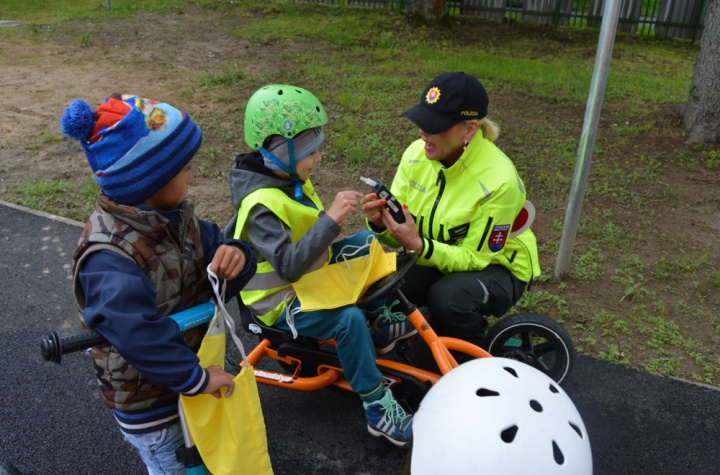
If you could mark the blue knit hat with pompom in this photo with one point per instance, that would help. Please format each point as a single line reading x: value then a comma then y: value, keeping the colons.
x: 135, y: 146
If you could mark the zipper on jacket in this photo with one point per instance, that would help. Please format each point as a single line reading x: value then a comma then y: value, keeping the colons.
x: 532, y: 270
x: 441, y: 181
x: 181, y: 244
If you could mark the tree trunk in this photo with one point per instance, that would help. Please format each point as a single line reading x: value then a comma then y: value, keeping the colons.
x: 702, y: 112
x: 430, y: 11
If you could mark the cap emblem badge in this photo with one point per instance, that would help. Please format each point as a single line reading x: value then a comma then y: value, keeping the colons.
x: 433, y: 95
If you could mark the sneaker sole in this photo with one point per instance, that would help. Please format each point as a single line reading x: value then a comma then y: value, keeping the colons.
x: 376, y: 433
x: 391, y: 346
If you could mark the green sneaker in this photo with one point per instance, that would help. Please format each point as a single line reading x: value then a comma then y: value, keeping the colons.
x: 388, y: 419
x: 389, y: 328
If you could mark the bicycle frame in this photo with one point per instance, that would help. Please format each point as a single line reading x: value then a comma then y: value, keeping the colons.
x: 332, y: 374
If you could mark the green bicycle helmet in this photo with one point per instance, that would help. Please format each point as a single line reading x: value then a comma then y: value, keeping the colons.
x: 281, y: 109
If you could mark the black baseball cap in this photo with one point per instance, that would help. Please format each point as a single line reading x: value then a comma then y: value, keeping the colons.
x: 450, y: 98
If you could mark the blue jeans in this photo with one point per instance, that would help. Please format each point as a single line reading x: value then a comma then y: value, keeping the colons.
x: 157, y: 450
x: 348, y: 327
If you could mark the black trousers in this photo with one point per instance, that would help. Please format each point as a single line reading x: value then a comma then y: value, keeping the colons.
x: 460, y: 301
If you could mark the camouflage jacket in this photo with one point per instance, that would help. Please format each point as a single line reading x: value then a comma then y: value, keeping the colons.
x: 176, y: 265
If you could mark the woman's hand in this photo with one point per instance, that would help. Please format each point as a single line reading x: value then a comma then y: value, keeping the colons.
x: 373, y: 209
x: 219, y: 379
x: 228, y: 262
x: 345, y: 204
x: 405, y: 233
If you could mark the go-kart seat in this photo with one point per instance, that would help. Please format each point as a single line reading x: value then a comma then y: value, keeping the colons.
x: 251, y: 324
x: 248, y: 321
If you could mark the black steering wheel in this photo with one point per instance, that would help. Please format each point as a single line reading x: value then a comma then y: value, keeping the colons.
x: 391, y: 282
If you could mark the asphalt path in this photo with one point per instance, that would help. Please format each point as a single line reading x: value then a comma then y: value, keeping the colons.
x: 52, y: 420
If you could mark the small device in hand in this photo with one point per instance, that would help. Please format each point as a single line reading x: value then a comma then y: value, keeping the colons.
x: 391, y: 202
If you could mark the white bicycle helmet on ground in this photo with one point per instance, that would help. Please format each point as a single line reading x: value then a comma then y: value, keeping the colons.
x: 498, y: 416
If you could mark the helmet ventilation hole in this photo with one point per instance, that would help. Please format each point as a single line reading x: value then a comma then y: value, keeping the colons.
x: 576, y: 429
x: 280, y: 92
x: 537, y: 407
x: 484, y: 392
x: 553, y: 389
x: 511, y: 370
x: 508, y: 435
x: 557, y: 454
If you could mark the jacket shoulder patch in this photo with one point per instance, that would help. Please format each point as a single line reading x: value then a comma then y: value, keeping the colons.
x: 498, y: 237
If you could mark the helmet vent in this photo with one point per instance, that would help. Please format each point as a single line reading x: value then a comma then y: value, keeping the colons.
x: 280, y: 92
x: 510, y: 370
x: 557, y: 454
x: 553, y: 389
x: 508, y: 435
x: 576, y: 429
x: 537, y: 407
x: 484, y: 392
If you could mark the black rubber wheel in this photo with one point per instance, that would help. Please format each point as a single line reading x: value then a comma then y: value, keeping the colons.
x: 534, y: 339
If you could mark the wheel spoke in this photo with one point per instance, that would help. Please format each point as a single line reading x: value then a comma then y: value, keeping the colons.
x: 540, y: 364
x: 527, y: 344
x: 544, y: 349
x: 520, y: 355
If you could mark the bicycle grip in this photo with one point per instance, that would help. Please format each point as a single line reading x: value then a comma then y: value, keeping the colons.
x: 52, y: 346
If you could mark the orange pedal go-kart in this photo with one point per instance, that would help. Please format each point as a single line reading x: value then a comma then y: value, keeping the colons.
x: 308, y: 364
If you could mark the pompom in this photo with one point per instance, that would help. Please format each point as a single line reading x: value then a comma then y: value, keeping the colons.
x: 78, y: 120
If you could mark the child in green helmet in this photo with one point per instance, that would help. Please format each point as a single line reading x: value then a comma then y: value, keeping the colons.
x: 281, y: 216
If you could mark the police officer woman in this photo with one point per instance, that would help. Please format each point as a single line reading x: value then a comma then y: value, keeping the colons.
x: 461, y: 196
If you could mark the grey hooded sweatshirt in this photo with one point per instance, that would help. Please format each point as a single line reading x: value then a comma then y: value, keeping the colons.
x: 266, y: 232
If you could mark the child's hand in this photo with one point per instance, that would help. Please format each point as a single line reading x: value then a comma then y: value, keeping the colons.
x: 218, y: 379
x: 228, y: 262
x: 345, y: 204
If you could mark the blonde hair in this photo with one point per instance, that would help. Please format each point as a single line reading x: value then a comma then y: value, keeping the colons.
x: 490, y: 129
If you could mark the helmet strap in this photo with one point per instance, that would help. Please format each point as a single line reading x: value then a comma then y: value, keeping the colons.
x: 289, y: 170
x: 291, y: 157
x: 298, y: 182
x: 267, y: 153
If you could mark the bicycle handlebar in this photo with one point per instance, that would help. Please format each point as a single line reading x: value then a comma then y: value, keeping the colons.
x: 53, y: 346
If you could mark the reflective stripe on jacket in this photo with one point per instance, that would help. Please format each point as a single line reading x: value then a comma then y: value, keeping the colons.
x: 267, y: 293
x: 465, y: 212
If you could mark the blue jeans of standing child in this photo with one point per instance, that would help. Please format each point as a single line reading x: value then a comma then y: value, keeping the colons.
x: 157, y: 450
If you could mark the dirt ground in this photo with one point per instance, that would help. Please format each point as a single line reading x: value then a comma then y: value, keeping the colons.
x: 161, y: 56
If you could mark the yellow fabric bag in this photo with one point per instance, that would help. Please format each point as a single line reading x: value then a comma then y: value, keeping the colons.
x: 342, y: 283
x: 228, y: 432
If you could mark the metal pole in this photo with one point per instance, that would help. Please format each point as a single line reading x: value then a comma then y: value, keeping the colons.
x: 108, y: 4
x: 610, y: 16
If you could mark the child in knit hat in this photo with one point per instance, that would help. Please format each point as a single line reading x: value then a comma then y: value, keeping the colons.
x: 142, y: 256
